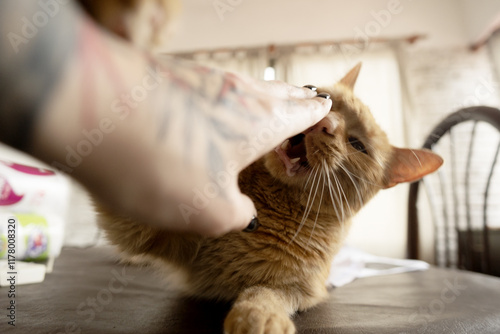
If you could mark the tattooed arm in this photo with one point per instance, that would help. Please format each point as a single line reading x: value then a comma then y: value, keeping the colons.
x: 160, y: 140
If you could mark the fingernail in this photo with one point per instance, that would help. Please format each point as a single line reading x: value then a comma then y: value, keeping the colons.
x: 254, y: 225
x: 324, y: 95
x: 311, y: 87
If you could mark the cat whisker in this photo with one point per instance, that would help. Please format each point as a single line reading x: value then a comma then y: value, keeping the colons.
x: 309, y: 178
x: 416, y: 156
x: 355, y: 184
x: 319, y: 208
x: 312, y: 203
x: 330, y: 190
x: 337, y: 195
x: 335, y: 204
x: 364, y: 180
x: 340, y: 202
x: 376, y: 157
x: 307, y: 208
x: 341, y: 192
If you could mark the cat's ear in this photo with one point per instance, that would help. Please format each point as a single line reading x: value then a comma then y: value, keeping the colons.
x: 411, y: 165
x: 350, y: 78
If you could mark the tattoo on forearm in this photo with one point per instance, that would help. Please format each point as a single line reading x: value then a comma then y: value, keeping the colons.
x: 95, y: 57
x: 208, y: 105
x: 205, y: 101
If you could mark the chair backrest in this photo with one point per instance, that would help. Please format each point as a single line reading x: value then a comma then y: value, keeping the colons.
x: 464, y: 195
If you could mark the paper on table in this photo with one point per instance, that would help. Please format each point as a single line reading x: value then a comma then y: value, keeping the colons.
x: 351, y: 263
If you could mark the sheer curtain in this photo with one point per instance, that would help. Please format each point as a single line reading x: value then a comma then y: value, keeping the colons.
x: 380, y: 227
x: 250, y: 63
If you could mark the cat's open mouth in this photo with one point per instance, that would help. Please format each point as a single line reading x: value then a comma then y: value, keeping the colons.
x: 292, y: 153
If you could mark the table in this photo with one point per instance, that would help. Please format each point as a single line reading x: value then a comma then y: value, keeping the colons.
x: 90, y: 292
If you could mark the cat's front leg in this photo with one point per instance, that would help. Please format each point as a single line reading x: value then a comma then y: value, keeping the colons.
x: 261, y: 310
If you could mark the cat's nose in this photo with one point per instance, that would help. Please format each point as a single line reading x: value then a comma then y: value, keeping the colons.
x: 326, y: 125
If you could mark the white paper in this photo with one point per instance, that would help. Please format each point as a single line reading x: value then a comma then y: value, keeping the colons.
x: 351, y: 263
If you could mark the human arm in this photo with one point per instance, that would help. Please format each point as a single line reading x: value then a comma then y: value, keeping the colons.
x: 145, y: 135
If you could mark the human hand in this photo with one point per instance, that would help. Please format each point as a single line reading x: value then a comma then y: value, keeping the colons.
x: 232, y: 122
x: 173, y: 160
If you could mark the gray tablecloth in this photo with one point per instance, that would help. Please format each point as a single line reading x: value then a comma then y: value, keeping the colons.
x: 89, y: 292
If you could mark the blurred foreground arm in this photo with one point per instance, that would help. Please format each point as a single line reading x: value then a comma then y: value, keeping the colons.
x: 160, y: 140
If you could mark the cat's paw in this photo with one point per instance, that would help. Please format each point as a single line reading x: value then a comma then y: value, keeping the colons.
x: 248, y: 318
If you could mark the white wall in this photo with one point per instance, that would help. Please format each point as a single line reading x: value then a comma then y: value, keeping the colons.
x: 479, y: 15
x: 261, y: 22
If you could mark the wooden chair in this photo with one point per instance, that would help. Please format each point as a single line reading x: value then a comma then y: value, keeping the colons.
x: 464, y: 195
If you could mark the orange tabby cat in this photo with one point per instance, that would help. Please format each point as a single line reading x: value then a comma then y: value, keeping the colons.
x: 305, y: 192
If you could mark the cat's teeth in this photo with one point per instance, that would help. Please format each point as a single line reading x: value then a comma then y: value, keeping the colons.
x: 285, y: 144
x: 293, y: 161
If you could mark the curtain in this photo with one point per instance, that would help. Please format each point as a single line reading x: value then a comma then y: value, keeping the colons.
x: 250, y: 63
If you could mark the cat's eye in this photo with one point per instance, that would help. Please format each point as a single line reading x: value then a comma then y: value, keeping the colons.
x: 357, y: 144
x: 254, y: 225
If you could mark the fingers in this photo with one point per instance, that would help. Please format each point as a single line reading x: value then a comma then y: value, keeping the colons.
x: 283, y: 90
x: 301, y: 114
x: 224, y: 215
x: 317, y: 109
x: 288, y: 117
